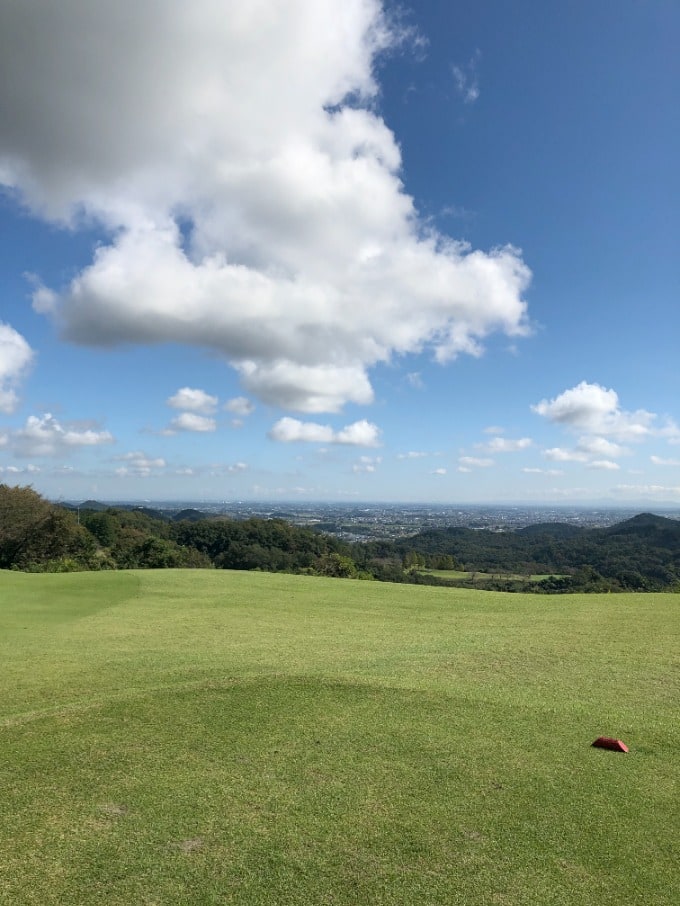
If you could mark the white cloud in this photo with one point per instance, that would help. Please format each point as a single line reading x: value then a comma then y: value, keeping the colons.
x: 140, y: 460
x: 604, y: 464
x: 362, y: 433
x: 412, y: 454
x: 192, y: 421
x: 671, y: 431
x: 595, y: 410
x: 17, y: 470
x: 240, y: 405
x: 467, y: 80
x: 43, y: 300
x: 139, y: 464
x: 536, y: 471
x: 45, y: 436
x: 193, y: 400
x: 659, y: 461
x: 15, y: 357
x: 367, y: 464
x: 505, y: 445
x: 600, y: 446
x: 301, y: 258
x: 559, y: 454
x: 290, y: 430
x: 440, y: 471
x: 237, y: 467
x: 475, y: 461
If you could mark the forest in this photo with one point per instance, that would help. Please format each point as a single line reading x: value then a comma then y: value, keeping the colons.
x: 640, y: 554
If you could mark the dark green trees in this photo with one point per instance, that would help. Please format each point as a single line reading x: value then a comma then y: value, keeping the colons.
x: 38, y: 535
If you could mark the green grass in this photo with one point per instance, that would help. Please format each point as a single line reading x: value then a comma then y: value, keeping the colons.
x: 184, y: 737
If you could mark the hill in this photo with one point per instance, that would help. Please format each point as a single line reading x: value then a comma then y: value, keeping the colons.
x: 641, y: 554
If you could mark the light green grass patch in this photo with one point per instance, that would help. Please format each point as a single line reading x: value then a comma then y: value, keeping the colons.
x: 216, y: 737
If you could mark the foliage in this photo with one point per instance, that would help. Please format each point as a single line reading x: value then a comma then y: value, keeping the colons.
x: 641, y: 554
x: 37, y: 535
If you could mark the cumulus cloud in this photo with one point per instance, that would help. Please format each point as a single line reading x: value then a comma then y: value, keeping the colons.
x: 43, y: 300
x: 412, y: 454
x: 252, y: 193
x: 604, y: 427
x: 192, y: 421
x: 600, y: 446
x: 289, y: 430
x: 137, y: 463
x: 240, y: 405
x: 367, y: 464
x: 15, y: 357
x: 193, y: 400
x: 505, y: 445
x: 475, y: 461
x: 45, y: 436
x: 440, y: 471
x: 559, y: 454
x: 19, y: 470
x: 604, y: 464
x: 660, y: 461
x: 595, y: 410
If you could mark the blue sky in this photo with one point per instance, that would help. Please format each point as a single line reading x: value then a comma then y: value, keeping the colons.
x: 341, y: 251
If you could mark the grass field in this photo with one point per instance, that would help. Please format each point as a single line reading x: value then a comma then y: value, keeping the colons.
x: 184, y: 737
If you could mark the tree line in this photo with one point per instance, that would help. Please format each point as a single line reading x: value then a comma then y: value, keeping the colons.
x: 641, y: 554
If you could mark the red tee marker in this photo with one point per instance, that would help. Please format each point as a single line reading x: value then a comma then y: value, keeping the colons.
x: 607, y: 742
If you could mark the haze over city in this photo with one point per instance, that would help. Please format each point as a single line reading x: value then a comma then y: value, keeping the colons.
x: 303, y: 249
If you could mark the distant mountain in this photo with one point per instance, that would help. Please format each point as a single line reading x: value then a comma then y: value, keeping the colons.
x: 641, y: 553
x: 97, y: 507
x: 190, y: 515
x: 647, y: 530
x: 644, y: 522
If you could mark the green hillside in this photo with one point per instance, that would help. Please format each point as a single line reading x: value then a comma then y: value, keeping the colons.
x: 217, y: 737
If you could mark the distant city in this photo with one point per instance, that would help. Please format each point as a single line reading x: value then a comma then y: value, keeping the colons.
x: 370, y: 521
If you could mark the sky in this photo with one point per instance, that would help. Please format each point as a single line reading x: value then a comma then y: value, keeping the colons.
x: 341, y: 250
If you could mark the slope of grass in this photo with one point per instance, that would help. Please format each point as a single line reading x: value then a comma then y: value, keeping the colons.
x: 214, y: 737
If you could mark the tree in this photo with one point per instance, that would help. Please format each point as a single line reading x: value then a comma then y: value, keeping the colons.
x: 35, y: 533
x: 413, y: 560
x: 337, y: 566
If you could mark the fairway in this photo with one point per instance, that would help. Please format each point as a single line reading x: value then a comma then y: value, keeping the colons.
x: 215, y: 737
